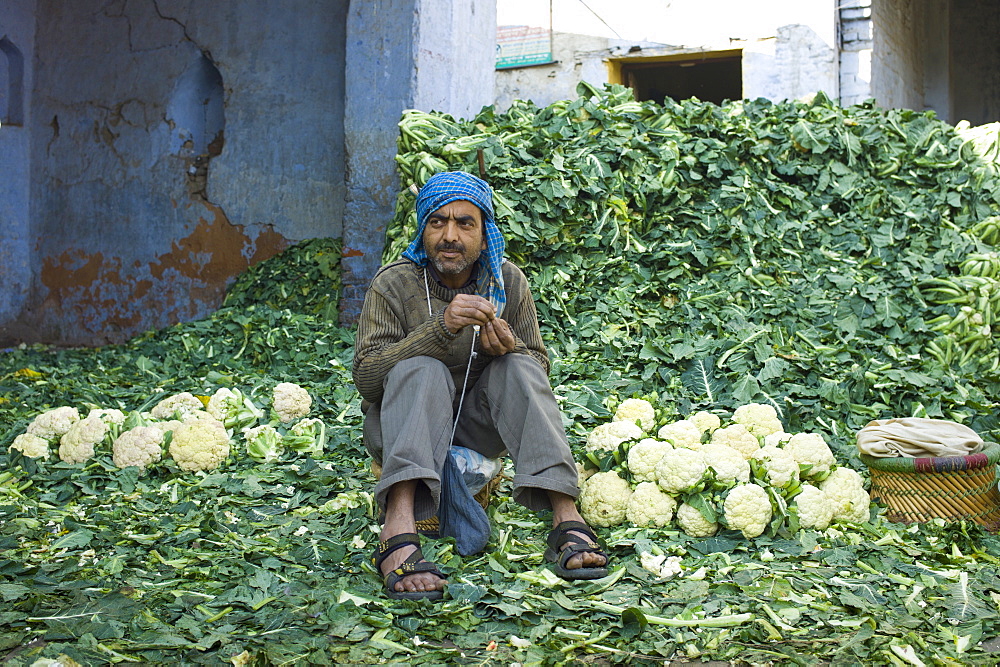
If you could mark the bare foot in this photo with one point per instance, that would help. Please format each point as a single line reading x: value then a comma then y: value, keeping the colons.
x: 415, y: 581
x: 398, y: 520
x: 564, y: 509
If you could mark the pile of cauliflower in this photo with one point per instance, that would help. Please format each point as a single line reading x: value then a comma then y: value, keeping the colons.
x: 703, y: 474
x: 196, y: 432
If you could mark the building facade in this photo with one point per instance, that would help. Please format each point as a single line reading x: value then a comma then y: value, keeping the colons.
x: 152, y: 150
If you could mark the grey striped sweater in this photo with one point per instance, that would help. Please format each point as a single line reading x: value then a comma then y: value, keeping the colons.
x: 395, y: 325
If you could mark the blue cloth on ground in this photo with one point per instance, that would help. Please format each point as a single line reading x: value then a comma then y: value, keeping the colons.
x: 459, y: 515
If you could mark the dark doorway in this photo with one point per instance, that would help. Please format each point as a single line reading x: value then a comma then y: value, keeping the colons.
x: 709, y: 79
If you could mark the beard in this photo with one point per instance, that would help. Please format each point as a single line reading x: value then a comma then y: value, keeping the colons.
x: 452, y: 266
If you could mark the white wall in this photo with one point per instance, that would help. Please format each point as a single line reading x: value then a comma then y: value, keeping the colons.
x: 691, y: 23
x: 897, y: 53
x: 454, y: 75
x: 789, y: 46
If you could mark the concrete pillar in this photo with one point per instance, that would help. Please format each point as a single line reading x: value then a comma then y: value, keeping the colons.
x: 937, y: 57
x: 401, y: 54
x: 17, y: 37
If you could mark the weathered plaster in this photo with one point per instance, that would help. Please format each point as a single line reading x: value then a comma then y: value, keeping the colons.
x: 136, y: 223
x: 17, y: 25
x: 897, y: 75
x: 99, y: 292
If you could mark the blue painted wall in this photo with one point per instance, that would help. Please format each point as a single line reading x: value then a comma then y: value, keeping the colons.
x: 171, y: 144
x: 133, y: 230
x: 17, y: 30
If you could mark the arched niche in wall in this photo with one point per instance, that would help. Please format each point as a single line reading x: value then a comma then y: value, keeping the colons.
x: 196, y: 113
x: 11, y: 83
x: 196, y: 110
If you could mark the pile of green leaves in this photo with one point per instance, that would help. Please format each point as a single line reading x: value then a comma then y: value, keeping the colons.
x: 753, y: 252
x: 713, y: 255
x: 305, y: 280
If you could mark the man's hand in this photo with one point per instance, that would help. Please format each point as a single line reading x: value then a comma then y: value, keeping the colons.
x: 496, y: 337
x: 468, y: 310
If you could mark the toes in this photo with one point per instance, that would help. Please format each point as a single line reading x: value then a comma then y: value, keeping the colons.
x: 416, y: 583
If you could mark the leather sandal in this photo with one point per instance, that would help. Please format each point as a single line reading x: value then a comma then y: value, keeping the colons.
x: 414, y: 563
x: 563, y: 545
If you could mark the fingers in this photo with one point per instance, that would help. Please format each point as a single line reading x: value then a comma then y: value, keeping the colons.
x: 497, y: 338
x: 468, y: 309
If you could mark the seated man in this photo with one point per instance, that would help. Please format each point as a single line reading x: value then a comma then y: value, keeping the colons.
x: 423, y: 317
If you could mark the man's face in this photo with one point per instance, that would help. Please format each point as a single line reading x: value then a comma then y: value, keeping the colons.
x: 453, y: 240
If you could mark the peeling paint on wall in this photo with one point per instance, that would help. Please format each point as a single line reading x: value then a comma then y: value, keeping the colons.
x: 111, y: 303
x: 173, y: 146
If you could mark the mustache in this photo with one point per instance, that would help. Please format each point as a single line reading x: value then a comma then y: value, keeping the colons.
x: 451, y: 247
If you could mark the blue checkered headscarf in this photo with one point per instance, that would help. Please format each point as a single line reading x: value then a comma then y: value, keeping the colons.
x: 444, y: 188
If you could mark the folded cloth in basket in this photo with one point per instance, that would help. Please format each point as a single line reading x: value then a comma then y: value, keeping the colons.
x: 917, y: 437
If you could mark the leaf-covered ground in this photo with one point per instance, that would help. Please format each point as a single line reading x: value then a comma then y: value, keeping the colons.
x: 712, y: 255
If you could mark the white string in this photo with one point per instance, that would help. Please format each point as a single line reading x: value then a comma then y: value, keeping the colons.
x: 427, y: 289
x: 468, y: 367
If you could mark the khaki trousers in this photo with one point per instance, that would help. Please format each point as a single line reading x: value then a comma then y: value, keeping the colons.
x: 510, y: 410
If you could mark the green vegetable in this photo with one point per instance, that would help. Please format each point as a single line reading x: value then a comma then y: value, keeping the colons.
x: 710, y: 256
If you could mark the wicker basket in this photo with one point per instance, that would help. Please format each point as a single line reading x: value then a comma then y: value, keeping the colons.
x: 948, y: 487
x: 430, y: 526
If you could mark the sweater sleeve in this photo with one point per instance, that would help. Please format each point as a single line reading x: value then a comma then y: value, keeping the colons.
x: 382, y: 343
x: 523, y: 320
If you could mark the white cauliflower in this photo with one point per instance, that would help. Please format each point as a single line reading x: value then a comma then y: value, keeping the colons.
x: 643, y: 457
x: 681, y: 433
x: 690, y: 520
x: 604, y: 499
x: 607, y: 437
x: 738, y: 437
x: 290, y: 401
x: 53, y: 424
x: 782, y: 468
x: 680, y: 470
x: 729, y: 465
x: 77, y: 444
x: 168, y: 426
x: 176, y: 406
x: 202, y: 444
x: 140, y: 446
x: 815, y: 509
x: 812, y: 453
x: 111, y: 417
x: 31, y: 445
x: 233, y: 409
x: 263, y: 443
x: 307, y: 437
x: 705, y: 421
x: 636, y: 410
x: 196, y: 415
x: 759, y: 418
x: 583, y: 473
x: 845, y: 491
x: 747, y: 509
x: 661, y: 565
x: 222, y: 402
x: 776, y: 439
x: 649, y: 506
